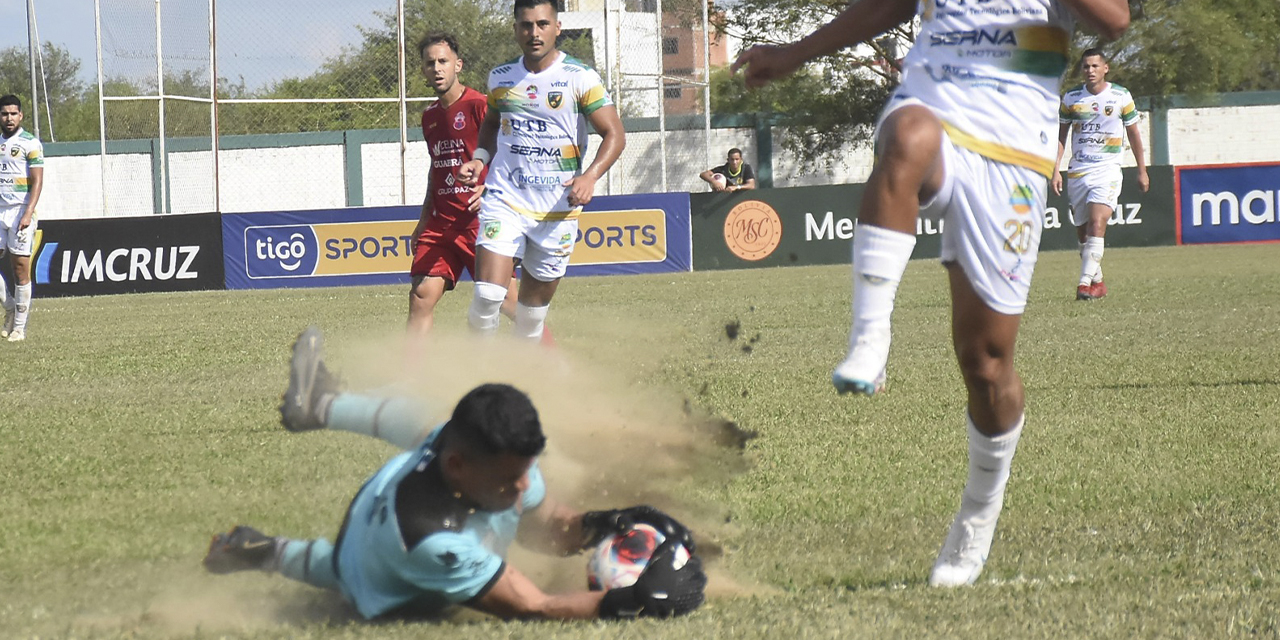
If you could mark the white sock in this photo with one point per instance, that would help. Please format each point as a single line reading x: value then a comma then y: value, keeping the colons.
x: 880, y: 257
x: 485, y: 305
x: 529, y: 321
x: 989, y: 462
x: 1091, y: 260
x: 22, y: 293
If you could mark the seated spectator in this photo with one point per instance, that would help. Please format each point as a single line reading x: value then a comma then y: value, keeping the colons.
x: 733, y: 175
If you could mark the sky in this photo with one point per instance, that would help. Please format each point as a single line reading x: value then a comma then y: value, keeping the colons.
x: 260, y: 41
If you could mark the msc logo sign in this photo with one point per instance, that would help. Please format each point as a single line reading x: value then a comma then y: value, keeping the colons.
x: 346, y: 248
x: 280, y: 251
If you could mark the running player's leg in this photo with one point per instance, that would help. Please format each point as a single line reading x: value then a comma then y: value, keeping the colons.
x: 990, y: 244
x: 546, y: 260
x: 1094, y: 247
x: 20, y: 248
x: 500, y: 240
x: 424, y: 293
x: 984, y: 344
x: 908, y: 170
x: 6, y: 301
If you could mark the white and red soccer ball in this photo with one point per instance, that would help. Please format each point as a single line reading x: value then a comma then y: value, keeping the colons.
x: 720, y: 180
x: 619, y: 560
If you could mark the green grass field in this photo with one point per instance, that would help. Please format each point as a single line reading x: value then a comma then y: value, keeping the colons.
x: 1143, y: 501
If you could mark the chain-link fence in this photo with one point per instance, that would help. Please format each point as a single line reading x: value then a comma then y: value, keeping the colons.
x: 316, y: 104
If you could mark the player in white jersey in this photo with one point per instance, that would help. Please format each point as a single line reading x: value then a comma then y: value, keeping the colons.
x: 967, y: 135
x: 21, y: 179
x: 1096, y: 114
x: 535, y: 133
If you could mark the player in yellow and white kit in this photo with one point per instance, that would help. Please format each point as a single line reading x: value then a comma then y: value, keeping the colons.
x: 535, y: 133
x: 1096, y: 114
x: 967, y: 135
x: 21, y: 179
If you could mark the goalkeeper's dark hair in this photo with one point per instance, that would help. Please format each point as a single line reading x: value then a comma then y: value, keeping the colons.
x: 437, y: 37
x: 11, y: 100
x: 493, y: 419
x: 1093, y: 51
x: 529, y: 4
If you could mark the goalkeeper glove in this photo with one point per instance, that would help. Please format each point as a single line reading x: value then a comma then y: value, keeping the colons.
x: 663, y: 590
x: 598, y: 525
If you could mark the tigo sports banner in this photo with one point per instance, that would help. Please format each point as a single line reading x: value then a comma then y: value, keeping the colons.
x: 318, y: 248
x: 647, y: 233
x: 128, y: 255
x: 1228, y: 203
x: 616, y: 235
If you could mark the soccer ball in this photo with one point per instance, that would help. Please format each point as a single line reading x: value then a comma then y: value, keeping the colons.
x: 719, y: 180
x: 619, y: 560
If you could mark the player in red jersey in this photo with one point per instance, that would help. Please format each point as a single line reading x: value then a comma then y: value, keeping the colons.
x: 444, y: 242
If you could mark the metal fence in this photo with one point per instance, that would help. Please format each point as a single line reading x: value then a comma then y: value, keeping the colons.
x: 189, y: 75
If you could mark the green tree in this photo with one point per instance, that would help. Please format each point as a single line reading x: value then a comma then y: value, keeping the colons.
x: 1198, y: 47
x: 832, y: 101
x: 65, y: 92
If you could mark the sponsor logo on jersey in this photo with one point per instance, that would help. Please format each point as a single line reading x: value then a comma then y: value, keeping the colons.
x: 532, y: 92
x: 532, y: 181
x: 491, y: 229
x: 555, y: 99
x: 560, y: 84
x: 1021, y: 199
x: 448, y: 146
x: 459, y: 121
x: 446, y: 162
x: 971, y: 37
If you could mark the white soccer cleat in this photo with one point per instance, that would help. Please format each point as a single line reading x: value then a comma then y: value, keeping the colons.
x: 10, y: 316
x: 17, y: 335
x: 965, y: 550
x: 864, y: 369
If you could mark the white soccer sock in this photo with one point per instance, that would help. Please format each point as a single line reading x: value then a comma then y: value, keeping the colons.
x: 989, y: 462
x: 529, y: 321
x: 880, y: 257
x: 22, y: 294
x: 1091, y: 260
x: 485, y: 305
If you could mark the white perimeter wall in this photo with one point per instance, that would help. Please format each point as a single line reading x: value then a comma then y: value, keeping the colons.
x: 313, y: 177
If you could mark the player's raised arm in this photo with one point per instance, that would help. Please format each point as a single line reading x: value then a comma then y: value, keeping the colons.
x: 860, y: 22
x: 1110, y: 18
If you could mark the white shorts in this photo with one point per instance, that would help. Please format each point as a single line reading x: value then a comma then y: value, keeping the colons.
x: 992, y: 216
x: 19, y: 243
x: 1100, y: 185
x: 543, y: 246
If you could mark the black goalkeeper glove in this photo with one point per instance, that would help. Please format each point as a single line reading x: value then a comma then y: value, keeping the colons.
x: 661, y: 591
x: 598, y: 525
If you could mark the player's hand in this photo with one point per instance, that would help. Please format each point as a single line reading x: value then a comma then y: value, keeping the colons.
x: 473, y: 203
x: 27, y: 217
x: 663, y: 590
x: 764, y: 63
x: 581, y: 189
x: 1056, y: 183
x: 469, y: 173
x: 1144, y: 182
x: 597, y: 525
